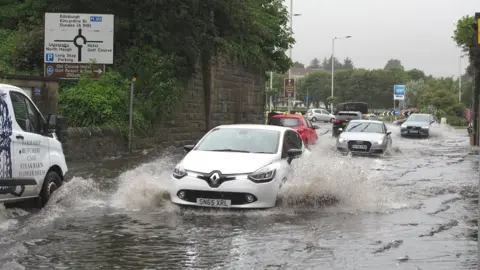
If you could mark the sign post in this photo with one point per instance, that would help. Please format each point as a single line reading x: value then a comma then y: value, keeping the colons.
x: 130, y: 112
x: 289, y: 91
x: 76, y: 43
x: 398, y: 94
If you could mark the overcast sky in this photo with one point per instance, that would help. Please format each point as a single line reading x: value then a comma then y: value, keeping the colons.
x: 417, y: 32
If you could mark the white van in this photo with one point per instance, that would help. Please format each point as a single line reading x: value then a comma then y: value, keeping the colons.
x: 32, y: 163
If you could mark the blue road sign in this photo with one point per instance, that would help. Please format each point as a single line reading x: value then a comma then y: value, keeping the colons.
x: 307, y: 98
x: 36, y: 91
x: 399, y: 92
x: 49, y: 57
x: 49, y: 70
x: 395, y: 112
x: 95, y: 18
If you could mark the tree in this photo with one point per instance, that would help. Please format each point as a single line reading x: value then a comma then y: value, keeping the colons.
x: 463, y: 33
x: 315, y: 63
x: 298, y: 65
x: 414, y: 89
x: 161, y: 42
x: 327, y: 64
x: 348, y: 63
x: 394, y: 64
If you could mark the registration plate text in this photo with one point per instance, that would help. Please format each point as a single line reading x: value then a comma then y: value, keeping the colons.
x: 214, y: 202
x: 413, y: 131
x: 359, y: 146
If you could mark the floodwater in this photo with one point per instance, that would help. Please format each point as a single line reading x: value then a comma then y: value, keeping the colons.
x: 414, y: 209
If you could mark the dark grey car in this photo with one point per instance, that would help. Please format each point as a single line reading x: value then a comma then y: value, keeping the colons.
x: 417, y: 124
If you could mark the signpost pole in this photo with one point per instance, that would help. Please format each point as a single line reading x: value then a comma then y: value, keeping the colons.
x: 130, y: 124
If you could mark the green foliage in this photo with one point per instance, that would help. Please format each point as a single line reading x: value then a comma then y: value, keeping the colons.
x: 102, y: 102
x: 7, y: 42
x: 376, y: 88
x: 394, y: 64
x: 463, y: 34
x: 159, y: 42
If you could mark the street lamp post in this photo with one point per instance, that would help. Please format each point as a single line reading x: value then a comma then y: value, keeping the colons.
x: 290, y: 53
x: 460, y: 78
x: 333, y: 65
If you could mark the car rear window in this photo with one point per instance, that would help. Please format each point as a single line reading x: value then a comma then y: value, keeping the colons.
x: 284, y: 122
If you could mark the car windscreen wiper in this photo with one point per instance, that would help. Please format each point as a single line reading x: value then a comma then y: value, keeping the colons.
x: 350, y: 129
x: 365, y: 127
x: 230, y: 150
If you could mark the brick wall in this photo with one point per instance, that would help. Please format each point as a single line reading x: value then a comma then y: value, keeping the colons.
x: 237, y: 97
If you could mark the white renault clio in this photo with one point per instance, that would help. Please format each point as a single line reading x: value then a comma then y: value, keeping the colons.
x: 237, y: 166
x: 32, y: 163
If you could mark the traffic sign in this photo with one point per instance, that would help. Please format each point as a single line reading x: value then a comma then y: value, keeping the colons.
x: 72, y: 71
x: 399, y: 92
x: 289, y: 87
x: 395, y: 112
x: 78, y: 38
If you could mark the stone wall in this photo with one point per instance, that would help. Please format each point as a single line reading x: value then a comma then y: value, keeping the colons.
x: 237, y: 97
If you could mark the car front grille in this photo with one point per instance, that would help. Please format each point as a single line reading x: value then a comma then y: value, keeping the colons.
x: 236, y: 198
x: 413, y: 128
x: 351, y: 146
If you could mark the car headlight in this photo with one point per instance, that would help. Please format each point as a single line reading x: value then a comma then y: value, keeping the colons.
x: 379, y: 142
x: 341, y: 140
x: 403, y: 126
x: 426, y: 127
x: 263, y: 175
x: 179, y: 172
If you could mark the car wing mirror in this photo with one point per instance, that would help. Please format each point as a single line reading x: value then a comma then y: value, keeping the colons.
x: 188, y: 147
x: 293, y: 153
x: 389, y: 132
x: 340, y: 129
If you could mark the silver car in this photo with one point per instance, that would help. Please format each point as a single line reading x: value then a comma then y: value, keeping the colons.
x: 315, y: 115
x: 365, y: 136
x: 417, y: 124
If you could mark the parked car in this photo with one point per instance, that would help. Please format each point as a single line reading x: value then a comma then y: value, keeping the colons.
x: 315, y: 115
x: 237, y: 166
x: 299, y: 123
x: 32, y: 163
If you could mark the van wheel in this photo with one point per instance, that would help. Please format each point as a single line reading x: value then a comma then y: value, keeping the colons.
x: 50, y: 184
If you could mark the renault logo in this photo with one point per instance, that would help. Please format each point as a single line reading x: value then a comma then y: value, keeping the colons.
x: 214, y: 178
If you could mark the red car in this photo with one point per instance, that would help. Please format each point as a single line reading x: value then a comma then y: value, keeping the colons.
x: 299, y: 123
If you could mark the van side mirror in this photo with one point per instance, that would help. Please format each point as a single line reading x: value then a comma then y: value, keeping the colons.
x: 51, y: 121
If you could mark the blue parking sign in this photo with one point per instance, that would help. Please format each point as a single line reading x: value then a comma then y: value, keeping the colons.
x: 49, y: 57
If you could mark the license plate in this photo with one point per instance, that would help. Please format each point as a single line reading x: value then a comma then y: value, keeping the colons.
x: 359, y: 146
x: 413, y: 131
x: 214, y: 202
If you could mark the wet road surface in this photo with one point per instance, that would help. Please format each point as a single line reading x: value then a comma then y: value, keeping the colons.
x: 415, y: 209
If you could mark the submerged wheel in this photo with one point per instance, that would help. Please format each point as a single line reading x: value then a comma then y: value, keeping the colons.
x: 51, y: 183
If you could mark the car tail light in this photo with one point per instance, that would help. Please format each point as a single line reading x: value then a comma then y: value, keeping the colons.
x: 336, y: 121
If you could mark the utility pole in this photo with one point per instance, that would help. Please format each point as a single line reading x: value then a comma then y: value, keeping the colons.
x: 333, y: 67
x: 475, y: 57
